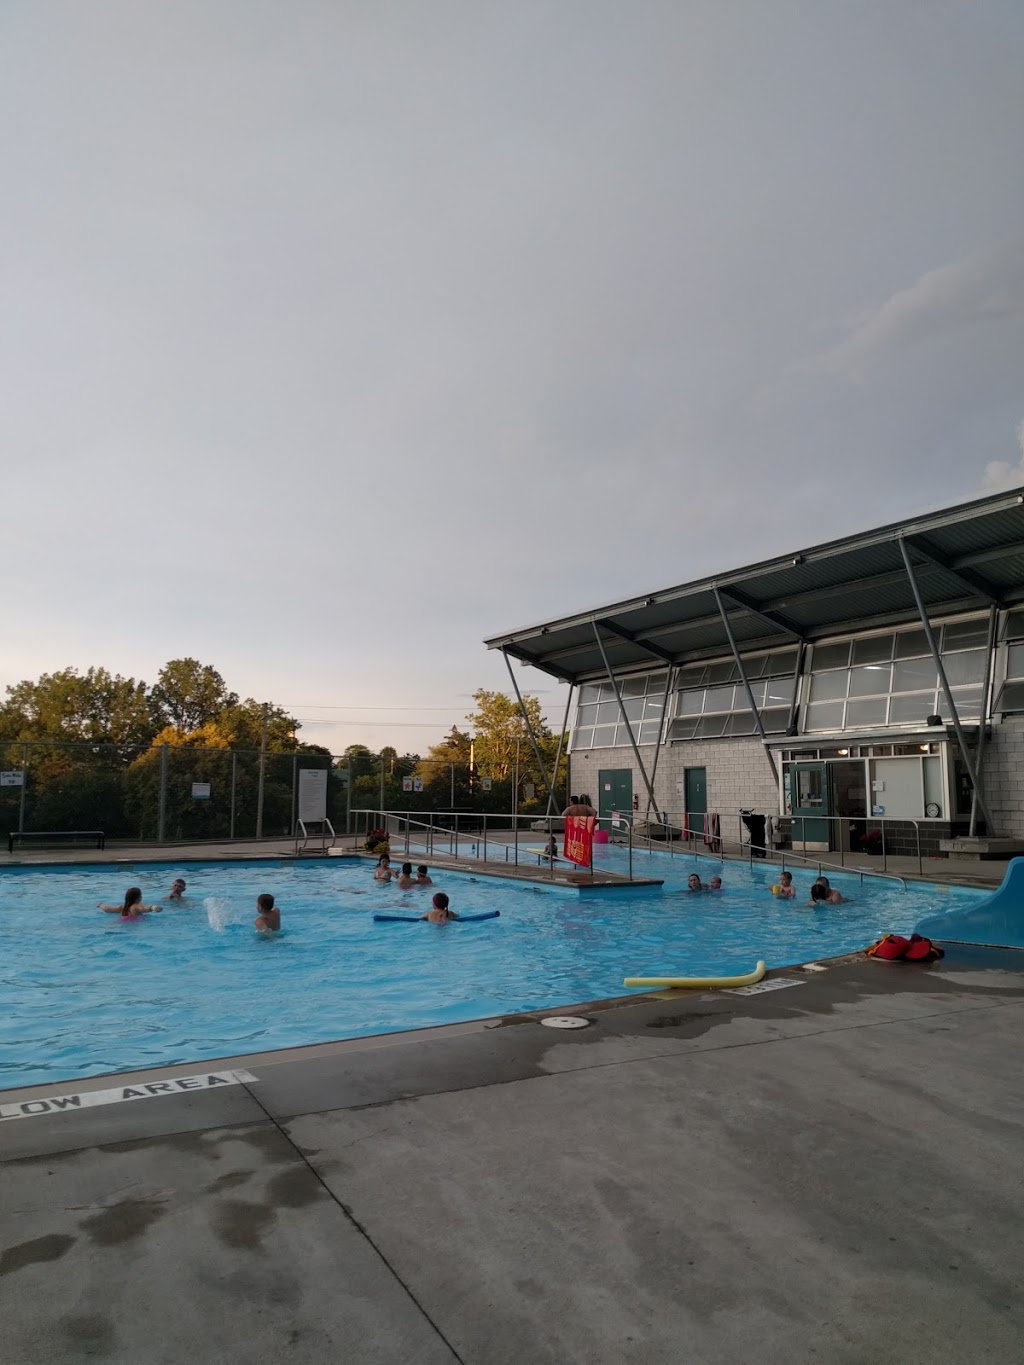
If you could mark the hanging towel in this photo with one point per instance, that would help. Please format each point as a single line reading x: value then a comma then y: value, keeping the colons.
x: 716, y: 833
x: 769, y: 831
x: 686, y: 824
x: 707, y: 828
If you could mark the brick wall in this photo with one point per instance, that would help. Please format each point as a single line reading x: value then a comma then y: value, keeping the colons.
x: 1003, y: 777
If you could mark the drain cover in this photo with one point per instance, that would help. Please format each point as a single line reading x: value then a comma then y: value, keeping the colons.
x: 565, y: 1021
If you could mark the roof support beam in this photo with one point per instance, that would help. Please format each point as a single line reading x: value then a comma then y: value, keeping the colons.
x: 746, y: 683
x: 965, y: 752
x: 625, y: 720
x: 640, y: 641
x: 740, y: 599
x: 973, y: 582
x: 544, y: 665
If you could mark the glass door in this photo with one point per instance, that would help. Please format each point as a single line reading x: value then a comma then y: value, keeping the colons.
x: 810, y: 796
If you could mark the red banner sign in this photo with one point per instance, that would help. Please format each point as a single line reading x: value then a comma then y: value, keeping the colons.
x: 579, y: 839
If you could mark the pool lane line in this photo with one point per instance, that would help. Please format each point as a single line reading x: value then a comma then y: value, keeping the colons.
x: 122, y: 1094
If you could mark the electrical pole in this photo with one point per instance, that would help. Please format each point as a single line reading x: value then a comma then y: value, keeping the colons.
x: 263, y: 772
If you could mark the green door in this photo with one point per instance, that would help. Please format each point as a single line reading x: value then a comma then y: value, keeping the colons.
x: 810, y: 798
x: 614, y: 793
x: 696, y: 788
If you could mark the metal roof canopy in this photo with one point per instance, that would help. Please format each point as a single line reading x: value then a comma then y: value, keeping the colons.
x: 965, y: 558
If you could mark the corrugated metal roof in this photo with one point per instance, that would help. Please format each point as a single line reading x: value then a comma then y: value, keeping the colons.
x: 965, y: 558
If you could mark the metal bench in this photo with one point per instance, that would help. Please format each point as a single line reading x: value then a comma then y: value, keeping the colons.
x: 57, y: 837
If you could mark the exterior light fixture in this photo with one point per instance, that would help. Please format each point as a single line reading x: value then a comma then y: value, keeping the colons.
x: 934, y: 720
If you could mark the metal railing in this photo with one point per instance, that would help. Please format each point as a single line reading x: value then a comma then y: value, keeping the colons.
x: 502, y: 834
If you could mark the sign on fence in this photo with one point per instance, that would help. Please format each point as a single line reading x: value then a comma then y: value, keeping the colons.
x: 417, y: 784
x: 312, y: 794
x: 407, y: 784
x: 200, y: 791
x: 485, y: 782
x: 14, y: 778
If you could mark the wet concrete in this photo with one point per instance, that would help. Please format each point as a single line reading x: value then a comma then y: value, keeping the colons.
x: 824, y: 1172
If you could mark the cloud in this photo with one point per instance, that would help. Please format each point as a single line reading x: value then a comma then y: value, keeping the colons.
x: 966, y: 293
x: 1000, y: 474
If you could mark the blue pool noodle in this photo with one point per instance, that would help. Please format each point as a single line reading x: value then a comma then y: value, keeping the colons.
x: 415, y: 919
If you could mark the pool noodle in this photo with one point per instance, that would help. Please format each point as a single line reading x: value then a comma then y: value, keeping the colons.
x: 704, y: 983
x: 416, y: 919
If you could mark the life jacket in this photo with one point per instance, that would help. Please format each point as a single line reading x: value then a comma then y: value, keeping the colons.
x: 890, y: 947
x: 894, y: 948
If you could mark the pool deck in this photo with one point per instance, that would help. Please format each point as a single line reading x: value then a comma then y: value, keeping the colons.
x: 826, y: 1171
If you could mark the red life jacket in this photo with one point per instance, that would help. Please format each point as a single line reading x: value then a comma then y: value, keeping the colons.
x: 922, y: 950
x: 890, y: 947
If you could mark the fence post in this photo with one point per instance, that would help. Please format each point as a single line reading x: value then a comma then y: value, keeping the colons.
x: 263, y: 773
x: 24, y: 780
x: 295, y: 791
x: 161, y: 804
x: 234, y: 780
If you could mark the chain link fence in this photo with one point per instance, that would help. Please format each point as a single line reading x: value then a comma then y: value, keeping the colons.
x: 172, y: 792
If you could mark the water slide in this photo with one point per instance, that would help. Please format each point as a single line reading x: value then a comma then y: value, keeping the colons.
x: 997, y: 920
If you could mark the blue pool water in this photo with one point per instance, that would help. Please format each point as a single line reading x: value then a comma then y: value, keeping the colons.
x: 83, y: 993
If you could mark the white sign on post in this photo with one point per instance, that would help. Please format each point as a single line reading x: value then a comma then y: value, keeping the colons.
x: 14, y: 778
x: 485, y: 782
x: 417, y: 784
x: 201, y: 791
x: 312, y: 794
x: 407, y: 784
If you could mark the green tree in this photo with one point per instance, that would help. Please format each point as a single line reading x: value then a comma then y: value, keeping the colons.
x: 189, y: 694
x: 94, y: 707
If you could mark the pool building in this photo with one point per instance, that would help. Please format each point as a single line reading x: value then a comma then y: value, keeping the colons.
x: 873, y: 680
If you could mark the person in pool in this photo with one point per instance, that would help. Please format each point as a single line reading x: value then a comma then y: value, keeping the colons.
x: 694, y: 883
x: 785, y: 887
x: 177, y: 890
x: 715, y: 884
x: 384, y: 871
x: 268, y: 921
x: 824, y: 895
x: 405, y: 881
x: 439, y: 912
x: 422, y: 879
x: 132, y: 907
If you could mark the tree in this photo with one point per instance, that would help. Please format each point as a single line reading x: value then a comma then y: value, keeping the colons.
x: 500, y: 731
x: 189, y: 694
x: 93, y: 707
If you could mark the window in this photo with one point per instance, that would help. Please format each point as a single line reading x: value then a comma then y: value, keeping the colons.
x: 711, y: 701
x: 1011, y: 694
x: 891, y: 679
x: 599, y: 722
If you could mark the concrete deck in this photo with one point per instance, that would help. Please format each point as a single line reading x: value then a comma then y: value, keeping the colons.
x: 830, y: 1171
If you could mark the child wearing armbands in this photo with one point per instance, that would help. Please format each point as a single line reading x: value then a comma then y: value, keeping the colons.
x: 784, y: 887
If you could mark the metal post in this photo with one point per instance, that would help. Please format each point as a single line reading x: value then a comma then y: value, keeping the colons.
x: 382, y: 781
x: 661, y: 736
x: 630, y: 838
x: 24, y: 780
x: 526, y: 717
x: 558, y: 754
x: 234, y: 787
x: 452, y: 767
x: 652, y: 804
x: 485, y: 836
x: 161, y: 803
x: 295, y: 791
x: 972, y: 772
x: 984, y: 716
x: 263, y: 775
x: 746, y: 683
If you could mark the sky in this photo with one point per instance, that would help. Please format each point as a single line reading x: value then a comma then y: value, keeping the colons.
x: 335, y: 337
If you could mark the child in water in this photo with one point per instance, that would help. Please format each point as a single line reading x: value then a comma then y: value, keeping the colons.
x: 421, y: 876
x: 439, y: 914
x: 177, y: 890
x: 715, y: 884
x: 268, y: 921
x: 132, y: 907
x: 405, y: 881
x: 384, y: 871
x: 785, y: 888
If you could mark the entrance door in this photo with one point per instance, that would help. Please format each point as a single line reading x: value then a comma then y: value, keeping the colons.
x: 695, y: 786
x: 615, y: 792
x: 810, y: 798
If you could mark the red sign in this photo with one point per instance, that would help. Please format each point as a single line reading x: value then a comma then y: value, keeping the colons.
x: 579, y: 839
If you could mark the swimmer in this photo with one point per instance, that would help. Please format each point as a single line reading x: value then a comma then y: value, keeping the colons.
x: 384, y: 871
x: 132, y: 907
x: 405, y: 881
x: 694, y: 883
x: 551, y: 847
x: 421, y: 876
x: 439, y: 914
x: 268, y: 921
x: 715, y: 884
x: 785, y: 888
x: 824, y: 895
x: 177, y: 890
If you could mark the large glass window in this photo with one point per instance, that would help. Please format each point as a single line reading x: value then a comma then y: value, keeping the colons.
x: 1011, y: 694
x: 706, y: 707
x: 599, y: 723
x: 854, y: 685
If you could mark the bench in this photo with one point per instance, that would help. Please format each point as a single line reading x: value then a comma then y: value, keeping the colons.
x: 96, y: 837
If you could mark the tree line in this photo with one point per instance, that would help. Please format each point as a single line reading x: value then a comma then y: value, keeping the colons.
x: 98, y: 750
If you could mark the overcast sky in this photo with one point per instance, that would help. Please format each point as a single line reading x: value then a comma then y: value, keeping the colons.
x: 335, y: 336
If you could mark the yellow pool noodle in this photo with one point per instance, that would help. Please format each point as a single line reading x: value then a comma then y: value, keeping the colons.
x: 699, y: 983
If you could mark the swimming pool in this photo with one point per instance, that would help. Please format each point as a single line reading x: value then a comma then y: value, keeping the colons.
x: 82, y: 993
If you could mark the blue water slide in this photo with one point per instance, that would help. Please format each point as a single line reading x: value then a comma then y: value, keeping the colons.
x: 997, y: 920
